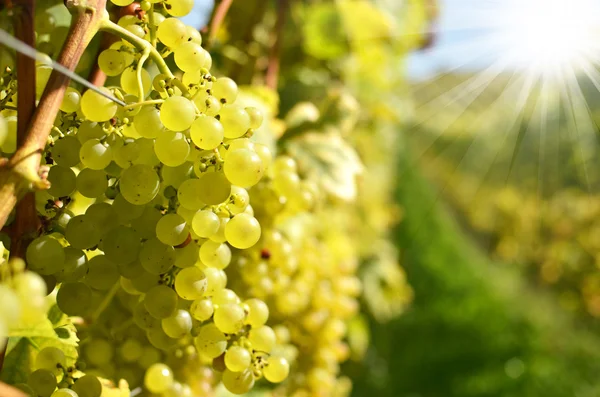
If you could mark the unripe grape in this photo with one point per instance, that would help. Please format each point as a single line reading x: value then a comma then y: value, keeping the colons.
x: 177, y: 113
x: 277, y: 369
x: 237, y: 358
x: 229, y: 318
x: 225, y: 89
x: 243, y: 167
x: 242, y: 231
x: 171, y: 32
x: 158, y: 378
x: 238, y: 382
x: 235, y: 121
x: 95, y: 107
x: 190, y: 283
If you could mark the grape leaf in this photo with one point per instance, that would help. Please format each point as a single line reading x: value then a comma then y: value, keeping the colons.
x: 329, y: 160
x: 324, y: 34
x: 26, y: 341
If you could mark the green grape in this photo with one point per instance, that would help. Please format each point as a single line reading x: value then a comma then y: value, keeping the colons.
x: 111, y: 62
x: 139, y: 184
x: 158, y: 338
x: 171, y: 148
x: 179, y: 8
x: 42, y: 74
x: 103, y: 216
x: 45, y: 255
x: 206, y: 132
x: 175, y: 176
x: 187, y: 256
x: 125, y: 210
x: 93, y: 154
x: 225, y: 89
x: 74, y: 298
x: 224, y: 296
x: 143, y: 318
x: 239, y: 143
x: 172, y: 229
x: 157, y: 257
x: 10, y: 310
x: 262, y: 338
x: 121, y: 3
x: 265, y: 155
x: 190, y: 283
x: 158, y: 378
x: 202, y: 309
x: 256, y: 117
x: 237, y: 358
x: 125, y: 155
x: 98, y: 351
x: 238, y: 382
x: 242, y: 231
x: 121, y: 245
x: 150, y: 356
x: 145, y: 224
x: 229, y: 318
x: 285, y: 164
x: 194, y: 35
x: 258, y: 312
x: 205, y: 223
x: 88, y: 386
x: 127, y: 20
x: 191, y: 56
x: 64, y: 392
x: 95, y: 107
x: 144, y: 280
x: 172, y: 32
x: 65, y: 151
x: 43, y: 382
x: 286, y: 183
x: 189, y: 194
x: 81, y: 232
x: 137, y: 30
x: 10, y: 142
x: 75, y: 265
x: 213, y: 254
x: 126, y: 284
x: 129, y: 81
x: 44, y: 22
x: 177, y: 113
x: 147, y: 155
x: 161, y: 301
x: 243, y: 168
x: 214, y: 188
x: 51, y: 359
x: 31, y: 290
x: 210, y: 342
x: 235, y: 121
x: 88, y: 130
x: 239, y: 200
x: 102, y: 273
x: 277, y: 369
x: 178, y: 325
x: 91, y: 183
x: 147, y: 122
x: 131, y: 350
x: 71, y: 100
x: 62, y: 181
x: 216, y: 280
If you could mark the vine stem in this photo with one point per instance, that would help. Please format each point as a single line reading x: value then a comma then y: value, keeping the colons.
x: 9, y: 391
x: 217, y: 21
x: 272, y: 73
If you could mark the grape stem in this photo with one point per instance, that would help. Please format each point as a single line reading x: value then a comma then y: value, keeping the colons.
x: 144, y: 103
x: 140, y: 67
x: 152, y: 27
x: 21, y: 173
x: 217, y: 21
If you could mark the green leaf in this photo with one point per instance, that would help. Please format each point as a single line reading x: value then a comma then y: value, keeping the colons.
x: 327, y: 159
x: 324, y: 33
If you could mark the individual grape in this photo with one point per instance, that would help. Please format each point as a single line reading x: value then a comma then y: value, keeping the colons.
x: 103, y: 216
x: 225, y: 89
x: 71, y: 100
x: 172, y: 229
x: 172, y: 32
x: 65, y: 151
x: 91, y: 183
x: 81, y: 233
x: 187, y: 256
x: 121, y: 3
x: 277, y: 369
x: 157, y: 257
x: 207, y: 104
x: 242, y: 231
x: 121, y: 245
x: 45, y: 254
x: 171, y: 148
x: 210, y: 342
x: 239, y: 143
x: 95, y: 107
x: 202, y: 309
x: 256, y: 117
x: 206, y: 132
x: 160, y: 340
x: 175, y: 176
x: 102, y: 273
x: 62, y: 181
x: 190, y: 283
x: 126, y: 155
x: 243, y: 168
x: 177, y: 113
x: 126, y: 211
x: 147, y: 122
x: 189, y: 194
x: 229, y: 318
x: 51, y: 359
x: 42, y: 74
x: 216, y: 280
x: 64, y: 392
x: 237, y: 358
x: 179, y: 8
x: 158, y: 378
x: 265, y: 155
x: 129, y: 81
x: 142, y: 317
x: 194, y: 35
x: 145, y: 224
x: 258, y: 312
x: 93, y: 154
x: 139, y: 184
x: 98, y: 352
x: 178, y: 325
x: 89, y: 130
x: 286, y: 183
x: 43, y: 382
x: 131, y: 350
x: 285, y: 164
x: 190, y: 56
x: 74, y: 298
x: 88, y: 386
x: 235, y: 121
x: 224, y: 296
x: 205, y: 223
x: 214, y: 188
x: 262, y: 338
x: 150, y: 356
x: 238, y: 382
x: 161, y: 301
x: 111, y: 62
x: 215, y: 255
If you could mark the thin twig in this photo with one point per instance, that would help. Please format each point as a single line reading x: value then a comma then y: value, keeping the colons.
x: 272, y: 74
x: 217, y: 21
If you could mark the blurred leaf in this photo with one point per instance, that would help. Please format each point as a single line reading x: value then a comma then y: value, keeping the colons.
x: 324, y: 33
x: 364, y: 22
